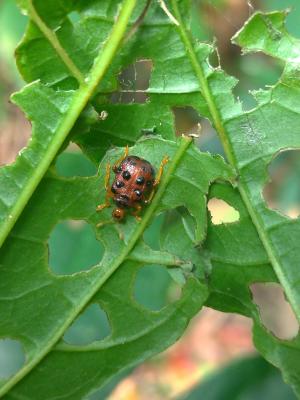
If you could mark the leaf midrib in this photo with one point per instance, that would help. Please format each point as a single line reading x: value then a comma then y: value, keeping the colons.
x: 220, y: 128
x: 109, y: 270
x: 52, y: 38
x: 79, y: 101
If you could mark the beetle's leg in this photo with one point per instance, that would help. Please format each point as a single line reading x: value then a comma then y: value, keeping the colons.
x: 138, y: 209
x: 100, y: 224
x: 164, y: 161
x: 122, y: 158
x: 107, y: 177
x: 147, y: 201
x: 109, y: 194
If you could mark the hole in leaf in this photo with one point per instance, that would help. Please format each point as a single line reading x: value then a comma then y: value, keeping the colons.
x: 14, y: 133
x: 221, y: 212
x: 221, y: 20
x: 74, y: 163
x: 152, y: 233
x: 154, y: 288
x: 282, y: 193
x: 187, y: 121
x: 133, y: 83
x: 12, y: 357
x: 209, y: 140
x: 275, y: 312
x: 91, y: 325
x: 74, y: 17
x: 256, y: 71
x: 73, y: 247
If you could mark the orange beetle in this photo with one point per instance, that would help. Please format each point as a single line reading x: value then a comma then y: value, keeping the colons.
x: 133, y: 186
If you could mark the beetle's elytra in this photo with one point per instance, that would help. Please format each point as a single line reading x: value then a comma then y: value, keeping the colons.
x: 133, y: 186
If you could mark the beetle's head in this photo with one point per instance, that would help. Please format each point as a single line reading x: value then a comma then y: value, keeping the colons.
x: 121, y: 200
x: 118, y: 214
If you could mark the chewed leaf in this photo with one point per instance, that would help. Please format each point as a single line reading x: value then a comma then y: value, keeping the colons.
x: 63, y: 115
x: 136, y: 334
x: 267, y: 32
x: 271, y: 127
x: 72, y: 55
x: 188, y: 185
x: 251, y: 140
x: 235, y: 258
x: 60, y: 199
x: 46, y: 109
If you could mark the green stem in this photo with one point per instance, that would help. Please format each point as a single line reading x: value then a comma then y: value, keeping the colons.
x: 270, y: 250
x: 81, y: 97
x: 205, y: 89
x: 216, y: 118
x: 157, y: 258
x: 106, y: 271
x: 52, y: 38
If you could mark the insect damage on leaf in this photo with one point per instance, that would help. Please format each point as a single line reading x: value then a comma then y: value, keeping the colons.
x: 214, y: 264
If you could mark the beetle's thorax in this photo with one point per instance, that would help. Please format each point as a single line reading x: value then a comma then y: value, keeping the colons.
x: 122, y: 200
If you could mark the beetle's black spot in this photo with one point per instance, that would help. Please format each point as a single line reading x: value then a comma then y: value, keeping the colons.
x: 143, y: 168
x: 119, y: 169
x: 120, y: 184
x: 138, y: 192
x: 126, y: 175
x: 133, y: 163
x: 149, y: 183
x: 113, y: 190
x: 140, y: 180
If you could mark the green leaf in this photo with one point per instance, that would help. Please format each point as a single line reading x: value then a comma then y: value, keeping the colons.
x: 250, y: 142
x: 242, y: 266
x: 44, y: 323
x: 234, y: 258
x: 22, y: 178
x: 67, y: 49
x: 267, y: 33
x: 114, y: 130
x: 262, y: 130
x: 53, y: 104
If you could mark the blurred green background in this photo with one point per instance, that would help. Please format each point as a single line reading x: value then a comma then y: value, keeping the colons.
x: 72, y: 245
